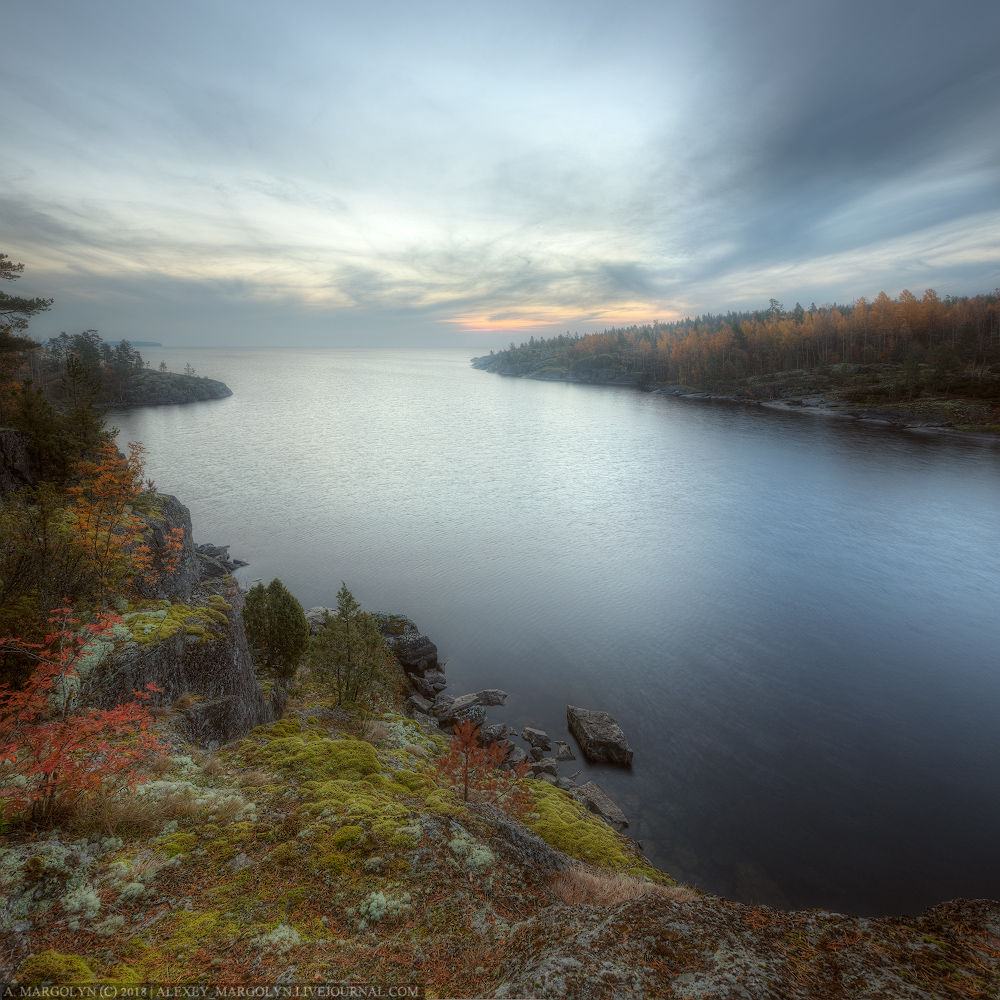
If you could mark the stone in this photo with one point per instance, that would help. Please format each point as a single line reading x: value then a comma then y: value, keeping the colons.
x: 211, y: 567
x: 566, y: 784
x: 563, y: 751
x: 415, y: 652
x: 597, y: 800
x: 315, y: 618
x: 492, y: 696
x: 493, y: 734
x: 417, y: 703
x: 536, y: 753
x: 536, y: 738
x: 446, y: 708
x: 515, y: 756
x: 600, y: 737
x: 475, y: 714
x: 240, y: 862
x: 545, y: 776
x: 424, y: 686
x: 547, y: 765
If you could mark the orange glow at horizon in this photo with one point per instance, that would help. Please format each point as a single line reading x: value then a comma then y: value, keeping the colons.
x: 633, y: 313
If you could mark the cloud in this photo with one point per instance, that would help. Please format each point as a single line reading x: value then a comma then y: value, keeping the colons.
x: 481, y: 167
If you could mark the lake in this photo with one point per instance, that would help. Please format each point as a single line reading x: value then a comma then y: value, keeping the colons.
x: 794, y: 618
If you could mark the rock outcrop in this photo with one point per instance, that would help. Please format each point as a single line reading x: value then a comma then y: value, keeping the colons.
x: 597, y: 800
x: 151, y: 388
x: 415, y: 652
x: 190, y: 644
x: 600, y: 737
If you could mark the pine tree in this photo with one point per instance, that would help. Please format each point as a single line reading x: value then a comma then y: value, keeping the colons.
x: 276, y: 624
x: 350, y: 652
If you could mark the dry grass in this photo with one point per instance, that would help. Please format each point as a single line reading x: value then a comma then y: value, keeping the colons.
x: 212, y: 766
x: 159, y: 764
x: 252, y: 779
x: 374, y: 732
x: 130, y: 814
x: 415, y: 750
x: 576, y: 885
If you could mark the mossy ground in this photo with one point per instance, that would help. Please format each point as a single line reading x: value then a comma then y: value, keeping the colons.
x: 342, y: 856
x: 307, y: 845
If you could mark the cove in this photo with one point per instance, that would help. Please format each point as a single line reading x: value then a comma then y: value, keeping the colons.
x: 794, y: 619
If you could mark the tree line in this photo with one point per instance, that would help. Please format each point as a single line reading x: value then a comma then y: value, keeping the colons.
x: 956, y: 336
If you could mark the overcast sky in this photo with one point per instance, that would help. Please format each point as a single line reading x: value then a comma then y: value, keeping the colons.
x: 431, y: 173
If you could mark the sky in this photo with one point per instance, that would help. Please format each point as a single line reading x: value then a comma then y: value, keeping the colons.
x: 467, y: 173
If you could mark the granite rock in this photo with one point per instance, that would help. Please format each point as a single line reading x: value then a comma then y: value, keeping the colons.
x: 600, y: 737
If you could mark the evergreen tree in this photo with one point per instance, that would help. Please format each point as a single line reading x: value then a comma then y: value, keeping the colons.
x: 276, y: 624
x: 349, y: 651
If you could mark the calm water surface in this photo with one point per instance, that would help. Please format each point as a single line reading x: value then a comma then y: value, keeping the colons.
x: 794, y: 618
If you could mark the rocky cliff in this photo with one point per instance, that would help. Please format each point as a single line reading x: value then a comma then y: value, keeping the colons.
x: 188, y: 641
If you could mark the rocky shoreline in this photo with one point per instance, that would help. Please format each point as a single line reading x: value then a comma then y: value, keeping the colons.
x: 152, y: 388
x: 798, y: 398
x: 599, y: 736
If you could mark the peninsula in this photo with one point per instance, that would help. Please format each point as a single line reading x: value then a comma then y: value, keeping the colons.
x: 929, y: 363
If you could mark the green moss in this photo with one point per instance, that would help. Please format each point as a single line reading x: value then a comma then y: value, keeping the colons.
x: 177, y: 843
x: 192, y: 931
x: 140, y: 963
x: 444, y: 802
x: 284, y: 856
x: 164, y: 620
x: 564, y: 823
x: 313, y: 756
x: 348, y: 835
x: 413, y: 782
x: 54, y: 967
x: 391, y: 833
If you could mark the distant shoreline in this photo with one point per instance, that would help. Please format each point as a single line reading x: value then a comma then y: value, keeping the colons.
x: 798, y: 402
x: 153, y: 388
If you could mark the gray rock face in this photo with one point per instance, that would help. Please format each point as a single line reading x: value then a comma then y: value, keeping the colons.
x: 475, y: 714
x: 599, y: 736
x: 446, y: 708
x: 547, y: 765
x: 231, y: 701
x: 493, y: 734
x: 597, y: 800
x: 492, y: 696
x: 415, y: 652
x: 431, y: 684
x: 220, y: 671
x: 179, y: 585
x: 215, y: 561
x: 515, y: 756
x: 536, y: 738
x: 418, y: 703
x: 563, y: 751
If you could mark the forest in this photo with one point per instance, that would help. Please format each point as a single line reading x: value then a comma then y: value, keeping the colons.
x: 917, y: 345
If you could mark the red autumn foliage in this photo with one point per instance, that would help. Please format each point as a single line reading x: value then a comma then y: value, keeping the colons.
x: 104, y: 503
x: 51, y: 754
x: 477, y: 769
